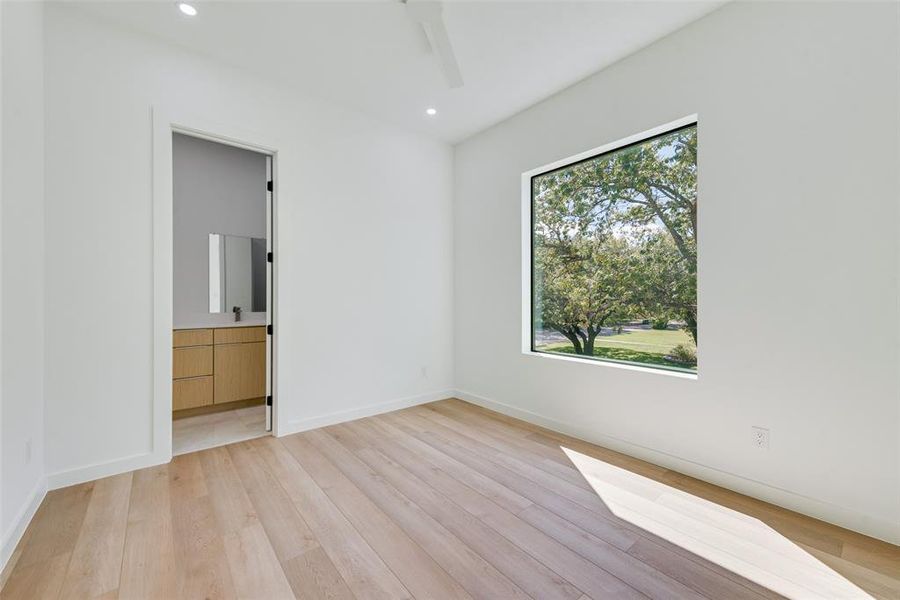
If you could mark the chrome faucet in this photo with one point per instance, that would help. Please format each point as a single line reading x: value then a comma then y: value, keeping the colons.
x: 237, y: 313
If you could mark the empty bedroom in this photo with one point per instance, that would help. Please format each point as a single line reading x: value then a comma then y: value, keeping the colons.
x: 466, y: 299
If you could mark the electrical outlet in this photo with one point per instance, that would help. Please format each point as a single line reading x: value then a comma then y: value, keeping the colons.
x: 424, y: 372
x: 28, y: 451
x: 761, y: 437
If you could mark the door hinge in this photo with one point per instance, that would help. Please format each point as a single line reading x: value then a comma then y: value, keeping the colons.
x: 269, y: 257
x: 268, y: 400
x: 269, y: 329
x: 269, y: 186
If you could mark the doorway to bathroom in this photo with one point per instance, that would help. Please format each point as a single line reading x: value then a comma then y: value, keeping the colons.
x: 222, y: 284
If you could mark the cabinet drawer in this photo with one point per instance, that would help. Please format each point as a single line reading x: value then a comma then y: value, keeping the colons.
x: 191, y: 393
x: 240, y: 371
x: 192, y: 362
x: 239, y: 335
x: 191, y: 337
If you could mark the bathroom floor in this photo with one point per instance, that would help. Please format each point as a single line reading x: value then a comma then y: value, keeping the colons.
x: 217, y: 429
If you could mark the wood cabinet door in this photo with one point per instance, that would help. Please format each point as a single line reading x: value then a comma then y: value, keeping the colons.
x: 240, y: 371
x: 192, y: 337
x: 192, y: 362
x: 235, y: 335
x: 191, y: 393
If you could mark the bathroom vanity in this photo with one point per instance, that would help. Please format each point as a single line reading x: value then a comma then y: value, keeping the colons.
x: 218, y: 365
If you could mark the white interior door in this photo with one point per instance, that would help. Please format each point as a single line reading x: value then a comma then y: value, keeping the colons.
x: 270, y: 281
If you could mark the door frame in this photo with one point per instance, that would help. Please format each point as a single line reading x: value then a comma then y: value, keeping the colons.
x: 165, y: 121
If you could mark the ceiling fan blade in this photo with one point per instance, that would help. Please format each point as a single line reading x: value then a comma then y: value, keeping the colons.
x: 440, y: 43
x: 428, y: 14
x: 422, y: 41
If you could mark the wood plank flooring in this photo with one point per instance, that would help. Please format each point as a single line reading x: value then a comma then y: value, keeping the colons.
x: 441, y: 501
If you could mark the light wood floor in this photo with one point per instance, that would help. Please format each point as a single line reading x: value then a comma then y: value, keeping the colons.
x: 441, y: 501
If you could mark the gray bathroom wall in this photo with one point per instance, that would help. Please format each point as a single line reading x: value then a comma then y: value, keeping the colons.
x: 217, y: 189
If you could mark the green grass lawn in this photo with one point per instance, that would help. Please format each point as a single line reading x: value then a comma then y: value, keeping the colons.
x: 647, y: 346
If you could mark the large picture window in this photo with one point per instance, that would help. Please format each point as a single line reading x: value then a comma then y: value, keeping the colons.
x: 614, y: 255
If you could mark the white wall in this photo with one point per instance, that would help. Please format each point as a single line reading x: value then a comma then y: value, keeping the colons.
x: 22, y: 235
x: 798, y: 264
x: 365, y: 297
x: 216, y: 189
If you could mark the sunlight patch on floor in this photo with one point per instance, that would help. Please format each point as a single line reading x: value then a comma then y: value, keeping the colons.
x: 742, y: 544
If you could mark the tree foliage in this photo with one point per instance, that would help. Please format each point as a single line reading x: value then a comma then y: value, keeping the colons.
x: 615, y: 239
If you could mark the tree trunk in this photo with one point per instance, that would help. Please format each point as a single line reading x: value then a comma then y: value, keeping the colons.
x: 584, y: 341
x: 690, y: 318
x: 589, y: 344
x: 573, y: 337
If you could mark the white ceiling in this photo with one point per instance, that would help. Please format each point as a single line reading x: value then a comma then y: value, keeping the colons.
x: 370, y: 56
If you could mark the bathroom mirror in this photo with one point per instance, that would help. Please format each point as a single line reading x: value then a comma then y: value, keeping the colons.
x: 237, y: 273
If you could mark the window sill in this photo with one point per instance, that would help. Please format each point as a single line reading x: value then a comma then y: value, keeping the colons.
x: 614, y: 364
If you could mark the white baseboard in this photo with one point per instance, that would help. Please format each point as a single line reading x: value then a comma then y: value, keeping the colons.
x: 62, y: 479
x: 832, y: 513
x: 17, y: 528
x: 352, y: 414
x: 78, y: 475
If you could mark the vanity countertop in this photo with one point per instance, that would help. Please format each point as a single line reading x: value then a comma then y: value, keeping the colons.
x: 220, y: 325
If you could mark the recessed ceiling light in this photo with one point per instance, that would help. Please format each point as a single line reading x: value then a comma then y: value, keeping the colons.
x: 430, y: 111
x: 187, y: 9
